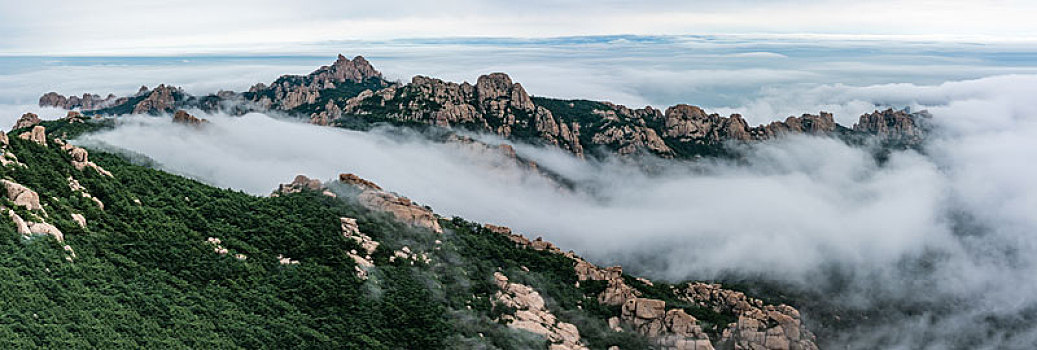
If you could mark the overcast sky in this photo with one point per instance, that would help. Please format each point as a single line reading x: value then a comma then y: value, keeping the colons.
x: 50, y: 27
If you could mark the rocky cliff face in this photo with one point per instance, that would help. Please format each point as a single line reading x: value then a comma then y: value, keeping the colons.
x: 162, y: 99
x: 292, y: 91
x: 494, y: 104
x: 895, y: 126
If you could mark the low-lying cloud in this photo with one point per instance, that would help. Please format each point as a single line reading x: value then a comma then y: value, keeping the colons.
x: 951, y: 227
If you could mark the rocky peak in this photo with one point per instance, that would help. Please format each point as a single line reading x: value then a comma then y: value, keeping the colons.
x: 162, y: 99
x: 813, y: 124
x: 291, y: 91
x: 53, y: 99
x: 493, y: 88
x: 894, y: 125
x: 441, y: 92
x: 27, y: 120
x: 692, y: 124
x: 87, y: 102
x: 685, y: 112
x: 357, y: 181
x: 182, y: 117
x: 402, y: 208
x: 300, y: 183
x: 356, y: 70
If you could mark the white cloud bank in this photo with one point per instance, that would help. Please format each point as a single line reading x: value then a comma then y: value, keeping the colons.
x: 952, y: 229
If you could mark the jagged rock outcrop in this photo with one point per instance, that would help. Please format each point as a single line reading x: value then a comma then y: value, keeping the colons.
x: 27, y: 198
x: 363, y: 258
x: 85, y: 103
x: 81, y: 158
x: 356, y: 70
x: 690, y: 124
x: 54, y: 99
x: 538, y: 244
x: 497, y: 105
x: 182, y: 117
x: 38, y: 134
x: 373, y: 197
x: 27, y: 120
x: 616, y: 292
x: 896, y: 126
x: 673, y: 329
x: 494, y: 104
x: 28, y: 228
x: 75, y: 186
x: 291, y: 91
x: 162, y: 99
x: 359, y: 182
x: 632, y: 138
x: 532, y: 315
x: 21, y: 196
x: 819, y: 124
x: 7, y: 157
x: 759, y: 325
x: 300, y: 183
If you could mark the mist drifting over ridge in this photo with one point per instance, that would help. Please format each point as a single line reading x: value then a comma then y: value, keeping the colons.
x: 948, y: 230
x: 709, y: 149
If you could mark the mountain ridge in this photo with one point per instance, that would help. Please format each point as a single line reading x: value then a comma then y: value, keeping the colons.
x: 412, y: 278
x: 351, y: 93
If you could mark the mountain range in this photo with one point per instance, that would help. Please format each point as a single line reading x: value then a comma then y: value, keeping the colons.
x: 351, y: 93
x: 104, y: 251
